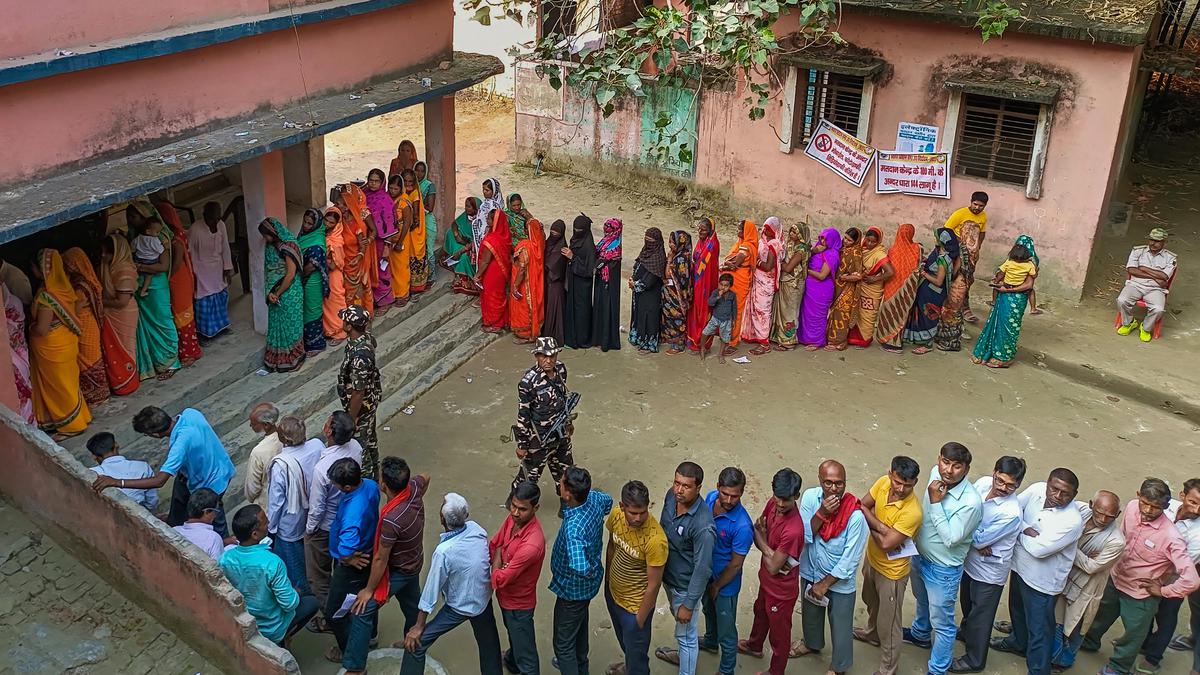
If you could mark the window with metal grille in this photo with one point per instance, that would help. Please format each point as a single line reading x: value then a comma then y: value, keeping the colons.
x: 996, y: 138
x: 837, y: 98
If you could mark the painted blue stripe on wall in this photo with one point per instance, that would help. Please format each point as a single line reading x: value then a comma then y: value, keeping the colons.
x: 173, y: 44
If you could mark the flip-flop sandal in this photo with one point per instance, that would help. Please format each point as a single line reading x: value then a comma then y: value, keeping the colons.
x: 861, y: 636
x: 996, y: 365
x: 743, y: 649
x: 795, y: 653
x: 759, y: 351
x: 667, y: 654
x: 781, y: 348
x: 333, y: 654
x: 921, y: 350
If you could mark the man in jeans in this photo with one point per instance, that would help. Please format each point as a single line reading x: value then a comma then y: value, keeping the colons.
x: 1049, y: 540
x: 396, y: 565
x: 517, y: 551
x: 458, y: 572
x: 637, y: 554
x: 1154, y: 549
x: 688, y: 522
x: 951, y: 509
x: 735, y: 536
x: 893, y: 516
x: 350, y: 541
x: 575, y: 567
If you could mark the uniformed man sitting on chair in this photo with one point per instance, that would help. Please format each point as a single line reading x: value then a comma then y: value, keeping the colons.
x: 543, y: 429
x: 1150, y: 270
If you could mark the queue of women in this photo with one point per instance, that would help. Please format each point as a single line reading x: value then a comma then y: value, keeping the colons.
x: 838, y: 290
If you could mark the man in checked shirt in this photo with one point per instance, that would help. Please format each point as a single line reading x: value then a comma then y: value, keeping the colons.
x: 576, y: 567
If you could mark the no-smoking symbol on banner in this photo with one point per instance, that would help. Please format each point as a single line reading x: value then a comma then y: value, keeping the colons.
x: 823, y: 142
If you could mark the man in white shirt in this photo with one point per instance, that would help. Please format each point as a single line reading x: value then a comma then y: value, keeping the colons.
x: 212, y: 265
x: 323, y: 499
x: 263, y: 418
x: 290, y: 478
x: 1185, y: 513
x: 1150, y: 269
x: 988, y: 561
x: 198, y: 529
x: 1042, y: 560
x: 1100, y: 547
x: 104, y: 449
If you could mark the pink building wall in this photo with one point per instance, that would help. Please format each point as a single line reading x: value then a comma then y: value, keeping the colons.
x: 61, y: 25
x: 743, y: 156
x: 69, y: 118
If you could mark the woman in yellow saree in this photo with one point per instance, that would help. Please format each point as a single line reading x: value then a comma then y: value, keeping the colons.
x: 54, y: 349
x: 93, y: 380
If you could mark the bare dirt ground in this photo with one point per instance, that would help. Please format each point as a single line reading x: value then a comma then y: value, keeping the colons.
x: 643, y: 415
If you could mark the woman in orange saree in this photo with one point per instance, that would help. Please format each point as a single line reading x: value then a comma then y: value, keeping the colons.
x: 740, y: 262
x: 336, y: 301
x: 844, y: 312
x: 58, y: 403
x: 359, y: 272
x: 526, y: 300
x: 93, y: 381
x: 118, y: 330
x: 495, y: 261
x: 899, y: 291
x: 183, y: 286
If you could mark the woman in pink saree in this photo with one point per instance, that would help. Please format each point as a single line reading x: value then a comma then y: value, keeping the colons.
x: 756, y: 320
x: 14, y: 315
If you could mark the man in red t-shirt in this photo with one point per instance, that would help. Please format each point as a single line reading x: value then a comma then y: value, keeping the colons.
x: 779, y: 535
x: 517, y: 551
x: 396, y: 564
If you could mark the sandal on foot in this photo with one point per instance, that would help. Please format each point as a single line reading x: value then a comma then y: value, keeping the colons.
x: 667, y: 654
x: 744, y: 648
x: 800, y: 650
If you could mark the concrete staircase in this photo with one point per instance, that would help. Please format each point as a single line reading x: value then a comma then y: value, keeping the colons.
x: 419, y: 345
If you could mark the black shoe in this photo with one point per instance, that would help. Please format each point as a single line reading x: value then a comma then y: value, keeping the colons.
x: 510, y: 664
x: 907, y: 636
x: 960, y: 665
x: 1000, y: 645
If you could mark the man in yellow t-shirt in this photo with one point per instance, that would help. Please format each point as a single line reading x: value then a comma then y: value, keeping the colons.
x: 973, y: 212
x: 637, y: 555
x: 893, y: 515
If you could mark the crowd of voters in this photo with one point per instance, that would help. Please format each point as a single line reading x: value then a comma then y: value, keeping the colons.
x: 330, y: 536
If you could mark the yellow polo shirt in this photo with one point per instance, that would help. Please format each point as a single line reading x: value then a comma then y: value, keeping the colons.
x: 904, y: 516
x: 960, y: 216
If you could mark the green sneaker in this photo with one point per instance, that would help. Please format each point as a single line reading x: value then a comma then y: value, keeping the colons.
x: 1128, y: 328
x: 1145, y: 334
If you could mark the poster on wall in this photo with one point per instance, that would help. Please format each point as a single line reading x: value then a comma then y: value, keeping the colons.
x: 913, y: 137
x: 925, y: 174
x: 844, y: 154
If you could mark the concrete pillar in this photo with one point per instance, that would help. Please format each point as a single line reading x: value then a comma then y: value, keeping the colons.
x: 8, y: 386
x: 263, y: 186
x: 439, y: 154
x: 304, y: 173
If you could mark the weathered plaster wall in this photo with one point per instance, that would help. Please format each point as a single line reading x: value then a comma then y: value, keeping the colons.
x: 51, y: 26
x: 743, y: 156
x: 69, y: 118
x: 138, y: 553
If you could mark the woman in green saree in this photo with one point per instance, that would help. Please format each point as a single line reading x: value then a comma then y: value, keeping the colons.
x: 157, y: 338
x: 282, y: 262
x: 315, y: 273
x: 460, y: 251
x: 429, y: 200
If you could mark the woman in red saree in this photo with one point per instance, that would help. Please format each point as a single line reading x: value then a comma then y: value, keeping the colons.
x: 741, y: 262
x: 359, y: 271
x: 118, y: 330
x: 495, y: 261
x: 526, y: 300
x: 183, y: 286
x: 705, y: 272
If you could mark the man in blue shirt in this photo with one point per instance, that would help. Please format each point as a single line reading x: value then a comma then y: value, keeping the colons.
x: 576, y: 567
x: 351, y: 541
x: 277, y: 608
x: 195, y: 458
x: 835, y: 537
x: 735, y: 536
x: 950, y: 513
x: 460, y: 572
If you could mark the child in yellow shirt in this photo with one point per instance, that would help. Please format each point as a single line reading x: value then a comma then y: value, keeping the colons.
x: 1014, y: 271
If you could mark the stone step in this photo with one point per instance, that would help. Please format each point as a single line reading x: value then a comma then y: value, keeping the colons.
x: 406, y: 377
x: 226, y: 407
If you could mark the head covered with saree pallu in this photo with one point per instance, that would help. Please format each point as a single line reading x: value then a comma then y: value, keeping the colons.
x: 182, y: 283
x: 483, y: 215
x: 748, y: 238
x: 58, y: 401
x: 900, y: 291
x: 92, y: 378
x: 677, y: 292
x: 525, y: 314
x: 56, y: 292
x: 772, y: 240
x: 609, y: 248
x: 516, y: 221
x: 313, y: 248
x: 80, y: 269
x: 493, y: 300
x: 1026, y: 242
x: 360, y: 272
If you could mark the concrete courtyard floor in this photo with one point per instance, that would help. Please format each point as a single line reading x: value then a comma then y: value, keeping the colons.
x: 1113, y: 410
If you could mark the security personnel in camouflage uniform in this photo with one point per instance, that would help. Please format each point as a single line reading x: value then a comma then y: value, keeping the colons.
x: 359, y: 385
x: 543, y: 429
